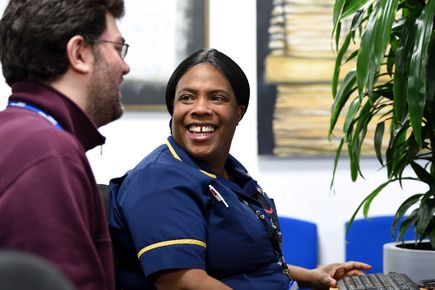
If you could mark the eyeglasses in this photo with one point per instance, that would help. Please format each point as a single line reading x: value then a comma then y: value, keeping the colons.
x: 122, y: 47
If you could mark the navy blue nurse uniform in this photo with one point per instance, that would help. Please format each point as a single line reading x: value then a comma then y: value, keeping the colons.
x: 172, y: 212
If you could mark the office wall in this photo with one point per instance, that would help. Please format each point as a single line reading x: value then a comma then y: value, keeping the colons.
x: 300, y: 186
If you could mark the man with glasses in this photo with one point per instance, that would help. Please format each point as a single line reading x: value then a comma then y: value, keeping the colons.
x: 64, y: 60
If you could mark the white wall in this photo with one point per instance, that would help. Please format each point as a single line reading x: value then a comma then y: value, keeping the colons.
x: 300, y: 186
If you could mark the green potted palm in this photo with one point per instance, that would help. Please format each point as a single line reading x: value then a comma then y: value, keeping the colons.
x: 391, y: 91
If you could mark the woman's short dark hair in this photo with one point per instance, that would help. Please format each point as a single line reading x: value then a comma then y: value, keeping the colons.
x: 231, y: 70
x: 34, y: 34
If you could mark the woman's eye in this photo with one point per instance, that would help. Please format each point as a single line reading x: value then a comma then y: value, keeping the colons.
x: 218, y: 98
x: 185, y: 98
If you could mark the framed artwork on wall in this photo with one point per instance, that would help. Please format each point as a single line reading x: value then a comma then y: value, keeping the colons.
x: 295, y: 64
x: 160, y: 34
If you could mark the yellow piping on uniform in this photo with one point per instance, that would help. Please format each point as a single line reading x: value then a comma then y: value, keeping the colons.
x: 208, y: 174
x: 175, y: 155
x: 173, y: 151
x: 170, y: 243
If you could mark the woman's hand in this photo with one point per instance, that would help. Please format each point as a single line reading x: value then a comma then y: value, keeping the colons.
x: 325, y: 277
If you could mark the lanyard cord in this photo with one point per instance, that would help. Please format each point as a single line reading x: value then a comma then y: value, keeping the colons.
x: 272, y: 231
x: 36, y: 110
x: 275, y: 237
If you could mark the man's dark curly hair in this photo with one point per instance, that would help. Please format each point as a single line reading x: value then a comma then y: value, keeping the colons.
x: 34, y: 34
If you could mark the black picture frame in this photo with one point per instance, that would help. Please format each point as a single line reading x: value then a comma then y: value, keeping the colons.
x: 147, y: 93
x: 266, y: 92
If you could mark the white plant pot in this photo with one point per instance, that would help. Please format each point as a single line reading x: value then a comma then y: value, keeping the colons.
x: 417, y: 264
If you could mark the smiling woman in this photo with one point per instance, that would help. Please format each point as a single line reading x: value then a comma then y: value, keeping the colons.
x: 205, y: 115
x: 189, y: 210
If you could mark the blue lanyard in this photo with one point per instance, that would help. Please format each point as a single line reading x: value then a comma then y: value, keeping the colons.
x: 36, y: 110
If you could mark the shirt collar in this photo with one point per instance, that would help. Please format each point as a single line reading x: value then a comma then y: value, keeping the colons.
x: 181, y: 155
x: 239, y: 173
x: 72, y: 119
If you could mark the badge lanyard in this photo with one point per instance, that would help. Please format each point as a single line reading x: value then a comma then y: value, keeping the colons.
x: 272, y: 229
x: 274, y: 234
x: 36, y: 110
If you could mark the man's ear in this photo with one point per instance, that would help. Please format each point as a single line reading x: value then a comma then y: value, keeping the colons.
x: 80, y: 54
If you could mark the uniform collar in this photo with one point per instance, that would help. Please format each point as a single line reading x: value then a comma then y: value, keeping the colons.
x: 242, y: 183
x: 236, y: 169
x: 63, y: 109
x: 181, y: 155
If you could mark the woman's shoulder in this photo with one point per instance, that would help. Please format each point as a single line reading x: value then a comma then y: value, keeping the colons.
x: 160, y: 163
x: 158, y: 176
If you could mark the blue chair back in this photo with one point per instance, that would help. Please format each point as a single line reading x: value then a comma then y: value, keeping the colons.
x: 366, y: 238
x: 299, y: 244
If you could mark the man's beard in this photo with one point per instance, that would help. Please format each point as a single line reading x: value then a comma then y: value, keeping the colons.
x: 103, y: 105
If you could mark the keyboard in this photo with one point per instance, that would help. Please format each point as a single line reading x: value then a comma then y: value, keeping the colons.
x: 378, y: 281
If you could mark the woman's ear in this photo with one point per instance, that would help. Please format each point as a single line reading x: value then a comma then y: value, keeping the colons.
x: 80, y: 54
x: 241, y: 112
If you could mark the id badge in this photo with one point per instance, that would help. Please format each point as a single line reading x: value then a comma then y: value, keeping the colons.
x: 293, y: 285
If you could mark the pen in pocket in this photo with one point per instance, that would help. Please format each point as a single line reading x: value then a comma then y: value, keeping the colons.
x: 217, y: 195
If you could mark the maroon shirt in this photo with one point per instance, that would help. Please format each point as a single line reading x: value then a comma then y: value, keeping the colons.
x: 49, y: 201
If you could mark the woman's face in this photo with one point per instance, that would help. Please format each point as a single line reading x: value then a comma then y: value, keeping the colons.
x: 205, y: 115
